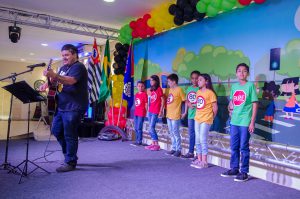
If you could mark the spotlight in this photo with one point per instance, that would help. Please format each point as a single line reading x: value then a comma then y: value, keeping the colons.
x: 14, y: 33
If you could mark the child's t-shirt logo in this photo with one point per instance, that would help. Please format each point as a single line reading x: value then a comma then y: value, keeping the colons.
x: 200, y: 102
x: 191, y: 97
x: 170, y: 98
x: 153, y: 97
x: 239, y: 97
x: 137, y: 102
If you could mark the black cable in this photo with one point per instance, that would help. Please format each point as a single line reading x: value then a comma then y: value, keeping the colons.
x: 50, y: 153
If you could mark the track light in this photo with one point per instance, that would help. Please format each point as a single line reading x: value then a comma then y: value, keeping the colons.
x: 14, y: 33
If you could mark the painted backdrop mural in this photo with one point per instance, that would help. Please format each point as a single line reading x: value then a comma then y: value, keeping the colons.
x: 267, y: 37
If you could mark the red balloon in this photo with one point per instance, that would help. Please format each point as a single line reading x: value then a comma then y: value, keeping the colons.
x: 134, y: 34
x: 150, y: 31
x: 143, y: 35
x: 121, y: 117
x: 139, y: 21
x: 132, y: 24
x: 245, y: 2
x: 116, y: 110
x: 110, y: 114
x: 146, y: 17
x: 259, y: 1
x: 142, y: 26
x: 122, y: 123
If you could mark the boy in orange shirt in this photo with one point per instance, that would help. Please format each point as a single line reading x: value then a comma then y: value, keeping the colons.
x: 175, y: 97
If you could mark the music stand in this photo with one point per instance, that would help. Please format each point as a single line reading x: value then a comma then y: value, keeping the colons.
x: 27, y: 95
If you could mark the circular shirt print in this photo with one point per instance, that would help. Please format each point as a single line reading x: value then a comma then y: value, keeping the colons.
x: 137, y: 102
x: 200, y: 102
x: 191, y: 97
x: 170, y: 98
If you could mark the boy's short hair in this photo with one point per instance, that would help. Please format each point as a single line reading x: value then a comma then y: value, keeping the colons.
x: 140, y: 82
x: 242, y: 64
x: 195, y: 72
x: 173, y: 77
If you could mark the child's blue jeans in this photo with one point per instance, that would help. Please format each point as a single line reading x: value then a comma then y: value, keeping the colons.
x: 174, y: 133
x: 191, y: 130
x: 152, y: 122
x: 239, y: 144
x: 138, y: 126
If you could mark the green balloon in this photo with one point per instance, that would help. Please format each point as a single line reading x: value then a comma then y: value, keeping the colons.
x: 136, y: 40
x: 216, y: 3
x: 125, y: 34
x: 121, y: 39
x: 201, y: 7
x: 205, y: 1
x: 227, y: 5
x: 211, y: 11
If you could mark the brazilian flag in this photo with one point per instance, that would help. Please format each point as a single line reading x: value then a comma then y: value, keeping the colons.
x: 105, y: 88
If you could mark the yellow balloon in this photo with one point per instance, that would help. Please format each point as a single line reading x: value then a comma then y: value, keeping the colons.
x: 150, y: 23
x: 116, y: 84
x: 120, y: 78
x: 158, y: 29
x: 114, y: 78
x: 161, y: 17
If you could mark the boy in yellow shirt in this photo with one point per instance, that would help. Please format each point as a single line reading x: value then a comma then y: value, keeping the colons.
x: 175, y: 96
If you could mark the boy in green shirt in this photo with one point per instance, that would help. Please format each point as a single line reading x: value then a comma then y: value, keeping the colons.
x: 190, y: 109
x: 244, y: 104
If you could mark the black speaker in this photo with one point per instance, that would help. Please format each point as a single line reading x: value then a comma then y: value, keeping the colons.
x: 275, y: 59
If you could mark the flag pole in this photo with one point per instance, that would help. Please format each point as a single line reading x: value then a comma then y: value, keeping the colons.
x: 112, y: 107
x: 120, y: 111
x: 106, y: 112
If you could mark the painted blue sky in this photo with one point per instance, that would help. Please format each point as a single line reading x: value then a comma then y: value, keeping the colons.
x: 254, y: 30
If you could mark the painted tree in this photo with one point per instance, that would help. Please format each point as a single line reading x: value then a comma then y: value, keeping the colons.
x: 225, y: 62
x: 210, y: 59
x: 178, y: 59
x: 152, y: 68
x: 290, y: 59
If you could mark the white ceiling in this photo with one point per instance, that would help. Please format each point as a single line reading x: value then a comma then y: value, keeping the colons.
x: 95, y: 12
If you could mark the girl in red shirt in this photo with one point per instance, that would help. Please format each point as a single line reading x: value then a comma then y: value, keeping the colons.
x: 156, y: 107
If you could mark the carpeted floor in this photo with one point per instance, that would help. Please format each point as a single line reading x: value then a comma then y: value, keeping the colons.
x: 115, y: 170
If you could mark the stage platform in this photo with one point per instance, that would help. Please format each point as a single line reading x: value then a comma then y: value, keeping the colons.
x: 118, y: 170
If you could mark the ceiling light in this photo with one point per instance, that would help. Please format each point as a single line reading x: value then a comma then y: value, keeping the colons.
x: 23, y: 59
x: 31, y: 54
x: 109, y: 1
x: 44, y: 44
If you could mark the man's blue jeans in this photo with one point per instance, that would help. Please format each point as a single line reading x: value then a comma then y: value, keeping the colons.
x: 239, y: 144
x: 138, y: 126
x: 191, y: 131
x: 152, y: 122
x: 174, y: 133
x: 65, y: 129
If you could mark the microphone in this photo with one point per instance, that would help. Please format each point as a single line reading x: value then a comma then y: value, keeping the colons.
x: 36, y: 65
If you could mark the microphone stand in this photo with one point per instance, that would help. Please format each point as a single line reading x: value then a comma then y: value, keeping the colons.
x: 6, y: 165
